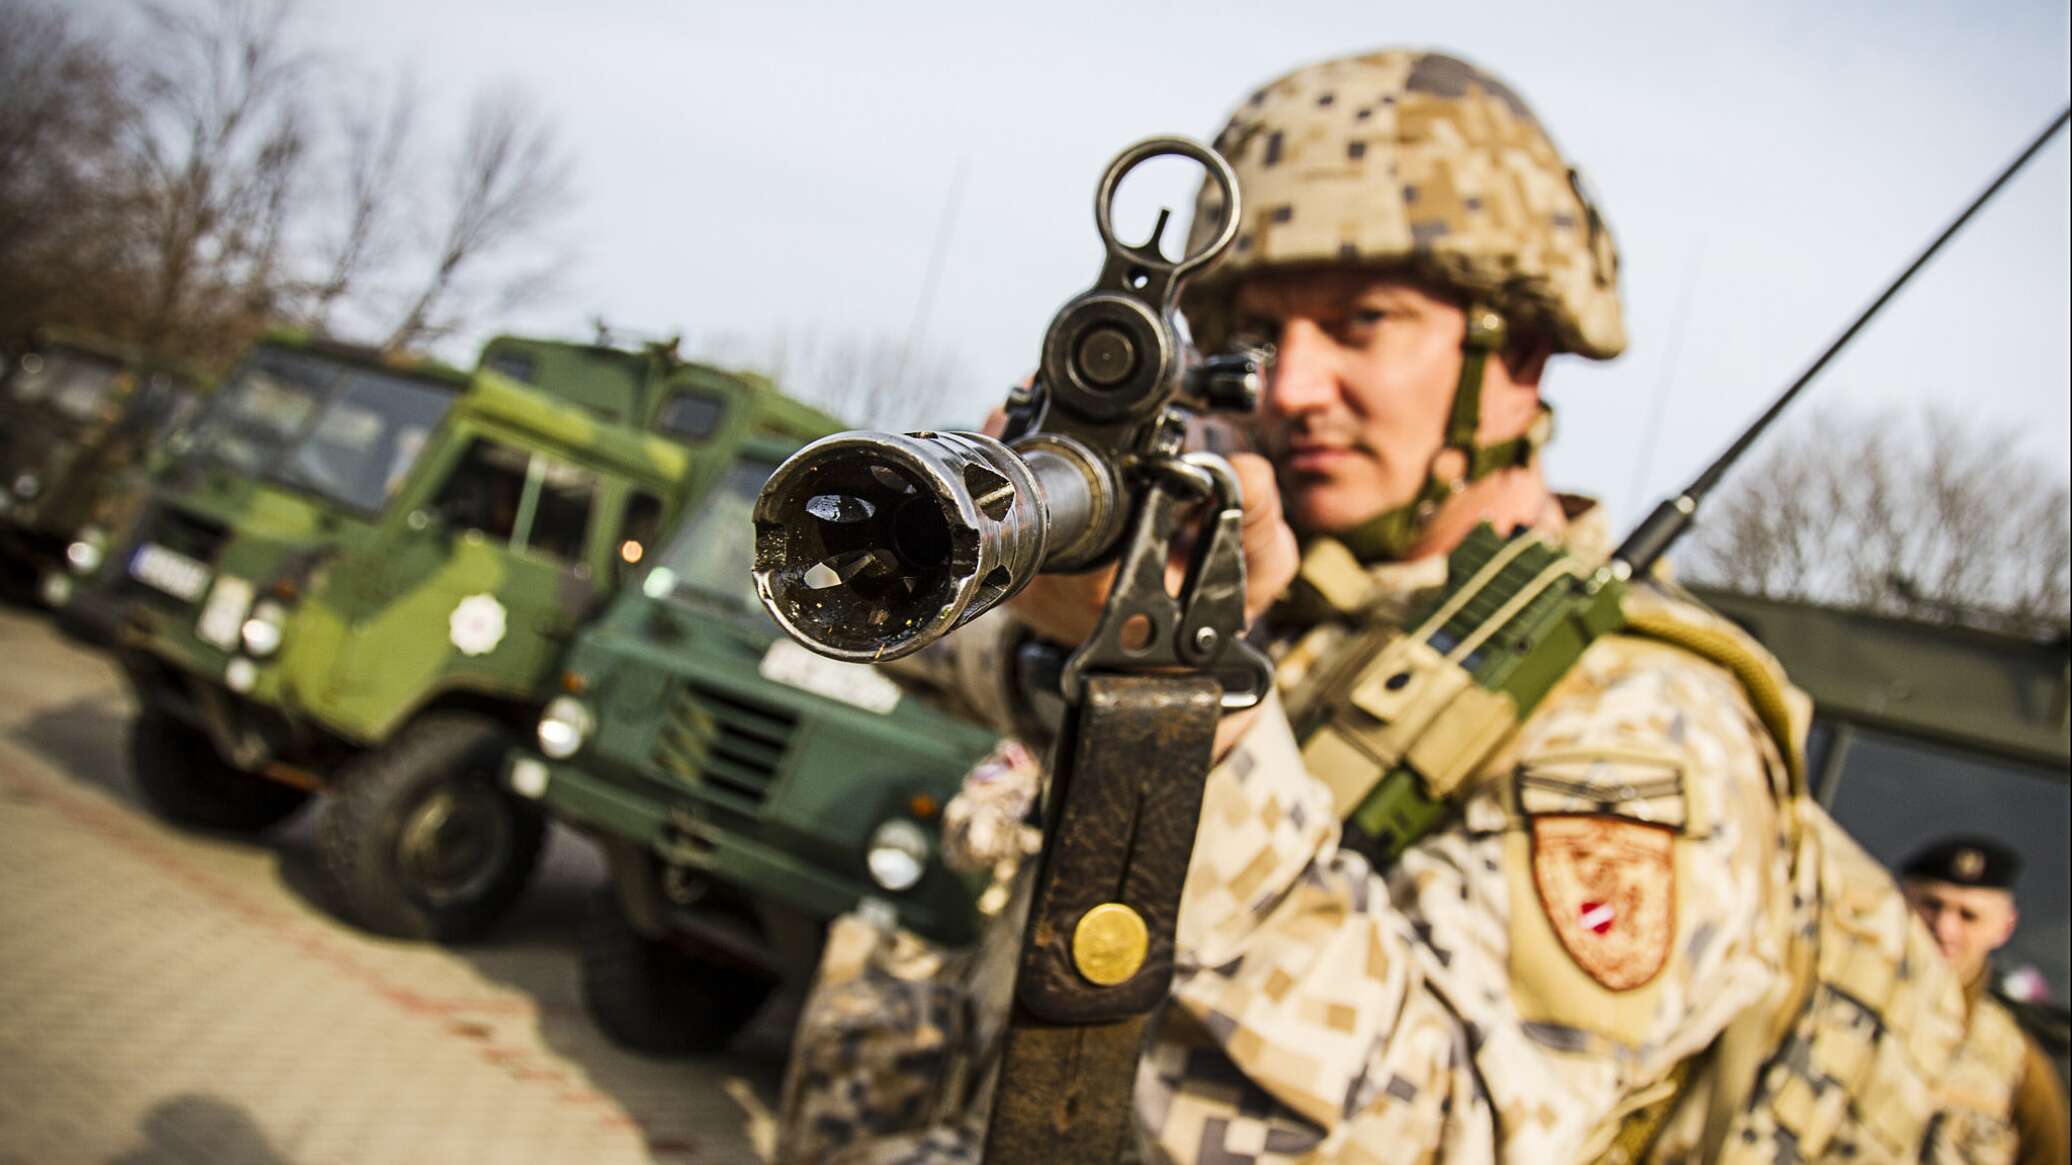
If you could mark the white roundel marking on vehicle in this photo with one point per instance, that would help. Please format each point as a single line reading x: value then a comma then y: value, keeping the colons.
x: 858, y: 684
x: 476, y: 625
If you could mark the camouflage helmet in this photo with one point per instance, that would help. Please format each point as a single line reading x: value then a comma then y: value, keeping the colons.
x: 1421, y: 163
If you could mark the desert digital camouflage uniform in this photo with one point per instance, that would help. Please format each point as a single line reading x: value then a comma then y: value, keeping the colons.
x: 1643, y: 818
x: 895, y: 1038
x: 1628, y: 887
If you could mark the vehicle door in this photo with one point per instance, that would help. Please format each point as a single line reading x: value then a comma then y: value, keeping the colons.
x: 478, y: 583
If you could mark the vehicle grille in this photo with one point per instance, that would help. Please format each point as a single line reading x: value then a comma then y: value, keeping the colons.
x: 729, y: 745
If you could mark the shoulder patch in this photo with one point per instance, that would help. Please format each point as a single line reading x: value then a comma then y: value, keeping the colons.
x: 1608, y: 886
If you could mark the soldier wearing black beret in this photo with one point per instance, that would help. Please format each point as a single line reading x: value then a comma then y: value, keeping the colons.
x: 1963, y: 889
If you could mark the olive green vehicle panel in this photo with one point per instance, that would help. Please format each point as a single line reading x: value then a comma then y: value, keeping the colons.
x: 247, y: 531
x: 1999, y: 695
x: 655, y: 390
x: 610, y: 382
x: 769, y: 873
x: 717, y: 763
x: 375, y: 639
x: 771, y: 789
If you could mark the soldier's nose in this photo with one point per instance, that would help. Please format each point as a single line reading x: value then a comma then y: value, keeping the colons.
x: 1305, y: 370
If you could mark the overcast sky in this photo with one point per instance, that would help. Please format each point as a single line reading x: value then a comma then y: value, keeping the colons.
x: 1764, y: 167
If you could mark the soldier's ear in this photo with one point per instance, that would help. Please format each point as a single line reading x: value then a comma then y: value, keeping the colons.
x: 2014, y: 917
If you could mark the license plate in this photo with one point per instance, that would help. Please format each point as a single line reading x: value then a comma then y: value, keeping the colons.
x: 223, y: 616
x: 858, y: 684
x: 169, y: 571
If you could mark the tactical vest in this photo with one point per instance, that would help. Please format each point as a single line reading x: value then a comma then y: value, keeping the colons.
x: 1855, y: 1055
x: 1979, y: 1085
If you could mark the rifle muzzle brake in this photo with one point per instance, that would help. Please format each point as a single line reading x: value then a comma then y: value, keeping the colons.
x: 870, y: 546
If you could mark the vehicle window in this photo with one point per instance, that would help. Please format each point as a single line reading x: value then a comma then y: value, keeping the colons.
x: 250, y: 421
x: 643, y: 521
x: 1895, y: 795
x: 713, y: 549
x: 690, y: 416
x: 561, y: 513
x: 367, y: 436
x: 74, y: 385
x: 519, y: 366
x: 485, y: 490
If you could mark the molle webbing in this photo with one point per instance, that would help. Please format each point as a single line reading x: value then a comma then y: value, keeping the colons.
x: 1404, y: 729
x: 1396, y: 734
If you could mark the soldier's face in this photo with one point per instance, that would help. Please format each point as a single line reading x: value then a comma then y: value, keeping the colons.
x: 1362, y: 384
x: 1969, y: 922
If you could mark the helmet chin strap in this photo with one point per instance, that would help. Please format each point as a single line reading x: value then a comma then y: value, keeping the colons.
x: 1389, y: 535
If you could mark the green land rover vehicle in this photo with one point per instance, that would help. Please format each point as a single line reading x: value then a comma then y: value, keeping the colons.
x: 79, y: 419
x: 744, y: 790
x: 296, y: 449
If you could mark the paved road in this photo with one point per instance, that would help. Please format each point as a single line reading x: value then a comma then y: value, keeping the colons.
x: 171, y: 997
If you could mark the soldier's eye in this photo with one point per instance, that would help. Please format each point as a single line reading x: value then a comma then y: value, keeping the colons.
x: 1254, y: 332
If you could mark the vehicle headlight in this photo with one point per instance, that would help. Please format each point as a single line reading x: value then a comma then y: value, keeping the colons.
x: 898, y: 854
x: 564, y: 726
x: 27, y: 486
x: 262, y: 629
x: 87, y: 550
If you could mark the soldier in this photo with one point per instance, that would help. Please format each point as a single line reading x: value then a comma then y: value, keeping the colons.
x: 1633, y: 938
x: 1963, y: 889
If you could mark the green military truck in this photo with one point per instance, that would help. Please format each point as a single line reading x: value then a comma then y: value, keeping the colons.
x: 79, y: 417
x: 392, y: 665
x: 649, y: 387
x: 297, y: 449
x: 744, y: 790
x: 286, y: 378
x: 1927, y: 729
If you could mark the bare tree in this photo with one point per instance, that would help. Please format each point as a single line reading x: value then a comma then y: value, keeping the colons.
x: 507, y: 180
x: 870, y: 381
x: 1935, y: 519
x: 188, y: 184
x: 215, y: 158
x: 374, y: 147
x: 64, y: 106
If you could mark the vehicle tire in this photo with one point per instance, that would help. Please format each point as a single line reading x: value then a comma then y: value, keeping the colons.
x: 653, y: 997
x: 418, y: 840
x: 181, y: 779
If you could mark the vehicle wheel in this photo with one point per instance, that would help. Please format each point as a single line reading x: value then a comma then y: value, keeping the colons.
x: 652, y: 997
x: 419, y: 842
x: 176, y: 770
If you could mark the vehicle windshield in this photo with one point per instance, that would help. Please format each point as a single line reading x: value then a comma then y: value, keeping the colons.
x: 713, y: 550
x: 251, y: 420
x: 367, y: 436
x: 1896, y: 795
x: 74, y: 384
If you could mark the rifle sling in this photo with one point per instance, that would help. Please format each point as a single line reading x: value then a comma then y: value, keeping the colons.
x: 1097, y: 957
